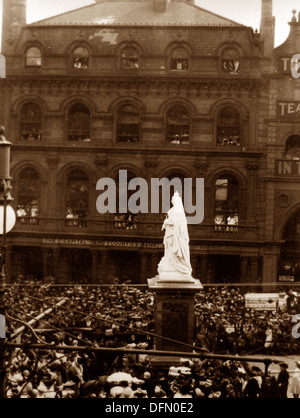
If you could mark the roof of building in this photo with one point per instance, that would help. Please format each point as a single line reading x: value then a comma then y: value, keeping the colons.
x: 141, y: 12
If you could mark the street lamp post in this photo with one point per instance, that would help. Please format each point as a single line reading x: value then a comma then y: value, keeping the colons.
x: 6, y: 226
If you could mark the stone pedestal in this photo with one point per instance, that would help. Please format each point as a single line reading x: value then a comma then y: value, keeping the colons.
x: 174, y: 314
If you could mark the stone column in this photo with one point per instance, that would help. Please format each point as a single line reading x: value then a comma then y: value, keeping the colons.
x: 270, y: 265
x: 52, y: 187
x: 56, y: 264
x: 200, y: 168
x: 244, y: 269
x: 254, y: 269
x: 45, y: 263
x: 151, y: 167
x: 155, y: 259
x: 211, y: 272
x: 101, y: 163
x: 203, y: 268
x: 94, y: 266
x: 144, y: 259
x: 194, y: 264
x: 104, y: 260
x: 252, y: 168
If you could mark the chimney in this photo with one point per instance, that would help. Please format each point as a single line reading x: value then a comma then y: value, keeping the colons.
x: 267, y: 26
x: 13, y: 18
x: 160, y: 5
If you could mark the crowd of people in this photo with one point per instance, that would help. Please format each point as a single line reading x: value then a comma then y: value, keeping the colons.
x: 122, y: 316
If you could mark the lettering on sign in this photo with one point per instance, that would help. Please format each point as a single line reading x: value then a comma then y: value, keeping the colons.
x: 288, y: 110
x: 290, y: 65
x: 288, y: 167
x: 90, y: 243
x: 295, y: 66
x: 286, y: 278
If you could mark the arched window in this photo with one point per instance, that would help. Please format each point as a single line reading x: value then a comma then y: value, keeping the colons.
x: 77, y: 198
x: 126, y: 220
x: 180, y: 59
x: 228, y: 127
x: 178, y: 125
x: 81, y: 57
x: 79, y: 123
x: 29, y: 196
x: 226, y: 214
x: 33, y: 57
x: 128, y: 124
x: 31, y: 122
x: 129, y: 58
x: 230, y: 61
x: 292, y: 148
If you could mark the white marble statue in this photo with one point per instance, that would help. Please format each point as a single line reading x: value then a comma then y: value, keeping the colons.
x: 175, y: 264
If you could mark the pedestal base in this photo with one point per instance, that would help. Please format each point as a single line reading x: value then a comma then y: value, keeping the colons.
x: 174, y: 315
x: 170, y: 276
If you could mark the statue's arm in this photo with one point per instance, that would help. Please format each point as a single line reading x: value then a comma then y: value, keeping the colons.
x: 167, y: 222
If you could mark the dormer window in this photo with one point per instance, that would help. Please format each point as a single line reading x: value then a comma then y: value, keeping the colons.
x: 81, y: 58
x: 129, y: 58
x: 230, y: 61
x: 180, y: 59
x: 33, y: 57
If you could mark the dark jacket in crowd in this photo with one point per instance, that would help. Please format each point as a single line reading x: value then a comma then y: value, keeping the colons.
x: 252, y: 389
x: 283, y: 382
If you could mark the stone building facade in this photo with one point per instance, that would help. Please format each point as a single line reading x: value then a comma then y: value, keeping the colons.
x: 161, y: 89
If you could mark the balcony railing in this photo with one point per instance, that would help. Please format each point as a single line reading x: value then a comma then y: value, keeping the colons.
x: 231, y: 229
x: 120, y: 225
x: 28, y: 220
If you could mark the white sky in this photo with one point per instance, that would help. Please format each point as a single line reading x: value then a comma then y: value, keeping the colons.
x: 246, y: 12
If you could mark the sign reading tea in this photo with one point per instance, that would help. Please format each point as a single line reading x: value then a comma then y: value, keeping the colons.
x: 288, y: 110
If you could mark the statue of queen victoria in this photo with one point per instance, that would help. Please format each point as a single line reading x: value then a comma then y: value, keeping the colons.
x: 175, y: 264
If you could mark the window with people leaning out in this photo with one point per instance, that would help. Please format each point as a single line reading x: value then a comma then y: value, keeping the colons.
x: 29, y: 196
x: 178, y: 125
x: 179, y: 59
x: 230, y: 61
x: 31, y: 122
x: 129, y: 59
x: 126, y: 220
x: 226, y: 205
x: 77, y: 199
x: 81, y: 58
x: 228, y: 127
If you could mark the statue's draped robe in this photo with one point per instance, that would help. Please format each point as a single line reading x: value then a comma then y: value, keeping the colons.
x: 176, y: 243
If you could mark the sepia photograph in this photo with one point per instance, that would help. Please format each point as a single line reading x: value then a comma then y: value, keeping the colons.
x: 150, y: 201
